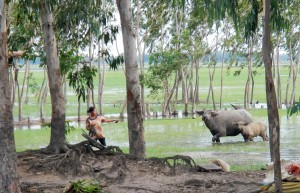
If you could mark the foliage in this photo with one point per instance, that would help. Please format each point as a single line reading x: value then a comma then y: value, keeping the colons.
x: 163, y: 65
x: 81, y: 79
x: 69, y: 127
x: 84, y: 186
x: 295, y: 109
x: 115, y: 61
x: 32, y: 84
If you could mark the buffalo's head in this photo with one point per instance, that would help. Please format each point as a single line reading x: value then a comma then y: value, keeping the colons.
x: 207, y: 114
x: 240, y: 124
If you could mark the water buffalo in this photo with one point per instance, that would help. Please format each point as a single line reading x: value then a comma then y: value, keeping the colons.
x: 221, y: 123
x: 251, y: 130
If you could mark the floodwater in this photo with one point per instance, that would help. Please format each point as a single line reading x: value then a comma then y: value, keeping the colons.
x: 195, y: 138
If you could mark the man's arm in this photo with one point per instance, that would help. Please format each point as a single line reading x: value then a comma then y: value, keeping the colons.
x: 109, y: 120
x: 87, y: 124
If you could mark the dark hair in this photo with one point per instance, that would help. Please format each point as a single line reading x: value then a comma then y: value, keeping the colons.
x: 91, y: 109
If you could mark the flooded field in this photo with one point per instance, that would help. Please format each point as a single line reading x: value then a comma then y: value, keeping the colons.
x: 185, y: 136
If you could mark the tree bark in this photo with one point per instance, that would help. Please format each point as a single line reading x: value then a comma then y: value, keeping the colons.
x: 247, y: 86
x: 58, y: 138
x: 295, y: 77
x: 289, y: 77
x: 222, y: 69
x: 134, y: 110
x: 279, y: 103
x: 27, y: 84
x: 8, y: 171
x: 22, y: 90
x: 273, y: 116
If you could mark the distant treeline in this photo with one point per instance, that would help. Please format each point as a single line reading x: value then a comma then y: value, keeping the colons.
x: 282, y: 58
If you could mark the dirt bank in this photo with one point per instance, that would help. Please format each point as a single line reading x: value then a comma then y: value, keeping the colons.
x: 118, y: 173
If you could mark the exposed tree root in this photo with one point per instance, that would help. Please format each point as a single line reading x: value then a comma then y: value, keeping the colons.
x: 138, y: 189
x: 119, y: 162
x: 174, y: 162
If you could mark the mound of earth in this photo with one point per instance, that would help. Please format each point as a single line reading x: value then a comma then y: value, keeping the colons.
x: 121, y: 173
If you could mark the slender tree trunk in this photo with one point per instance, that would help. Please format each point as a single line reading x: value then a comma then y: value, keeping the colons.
x: 273, y: 116
x: 12, y: 85
x: 100, y: 78
x: 40, y: 95
x: 197, y: 99
x: 247, y: 87
x: 252, y: 88
x: 65, y: 88
x: 23, y: 88
x: 289, y: 77
x: 141, y: 54
x: 169, y: 95
x: 58, y: 117
x: 134, y: 109
x: 121, y: 116
x: 295, y: 77
x: 222, y: 69
x: 102, y: 81
x: 27, y: 84
x: 9, y: 181
x: 184, y: 92
x: 44, y: 92
x: 191, y: 81
x: 278, y: 79
x: 211, y: 88
x: 18, y: 90
x: 89, y: 98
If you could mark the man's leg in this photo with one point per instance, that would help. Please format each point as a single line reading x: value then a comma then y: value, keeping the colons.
x: 102, y: 141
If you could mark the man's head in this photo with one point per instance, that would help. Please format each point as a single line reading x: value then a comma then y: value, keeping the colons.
x: 91, y: 110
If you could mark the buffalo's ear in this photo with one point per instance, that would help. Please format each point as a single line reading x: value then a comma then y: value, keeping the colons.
x: 214, y: 113
x: 200, y: 113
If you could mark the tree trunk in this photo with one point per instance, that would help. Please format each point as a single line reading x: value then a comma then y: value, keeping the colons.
x: 289, y: 77
x: 252, y: 88
x: 101, y: 78
x: 197, y: 98
x: 121, y: 116
x: 295, y: 77
x: 27, y: 84
x: 191, y: 83
x: 211, y: 88
x: 18, y: 91
x: 273, y: 116
x: 22, y: 90
x: 58, y: 138
x: 222, y: 69
x: 9, y: 181
x: 247, y: 86
x: 278, y: 79
x: 141, y: 54
x: 134, y: 110
x: 12, y: 85
x: 44, y: 93
x: 184, y: 93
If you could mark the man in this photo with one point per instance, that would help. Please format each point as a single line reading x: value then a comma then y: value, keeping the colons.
x: 93, y: 124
